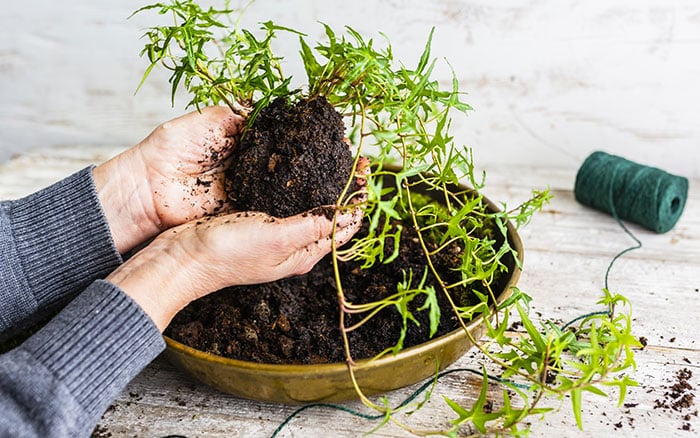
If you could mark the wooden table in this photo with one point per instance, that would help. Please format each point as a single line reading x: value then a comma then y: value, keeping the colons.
x: 567, y: 250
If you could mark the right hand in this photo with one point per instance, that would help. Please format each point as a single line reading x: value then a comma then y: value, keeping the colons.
x: 208, y: 254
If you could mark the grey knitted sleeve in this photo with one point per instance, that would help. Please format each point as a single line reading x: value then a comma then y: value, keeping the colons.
x: 61, y: 380
x: 53, y: 244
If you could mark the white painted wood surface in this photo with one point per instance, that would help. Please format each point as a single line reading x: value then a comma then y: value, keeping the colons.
x: 567, y: 250
x: 550, y: 80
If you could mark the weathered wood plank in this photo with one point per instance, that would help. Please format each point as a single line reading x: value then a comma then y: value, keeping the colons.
x: 568, y: 249
x: 163, y: 401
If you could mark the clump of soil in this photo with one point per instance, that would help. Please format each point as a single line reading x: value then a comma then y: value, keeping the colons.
x: 291, y: 159
x: 680, y: 396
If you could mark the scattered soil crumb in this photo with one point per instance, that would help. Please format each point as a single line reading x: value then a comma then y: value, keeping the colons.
x: 680, y: 398
x: 179, y: 401
x: 101, y: 432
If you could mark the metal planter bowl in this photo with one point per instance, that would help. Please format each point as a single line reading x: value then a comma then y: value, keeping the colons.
x: 298, y: 384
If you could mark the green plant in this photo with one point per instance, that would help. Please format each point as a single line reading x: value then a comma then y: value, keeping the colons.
x: 403, y: 116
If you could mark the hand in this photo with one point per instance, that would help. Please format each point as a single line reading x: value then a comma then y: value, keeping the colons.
x: 202, y: 256
x: 174, y: 175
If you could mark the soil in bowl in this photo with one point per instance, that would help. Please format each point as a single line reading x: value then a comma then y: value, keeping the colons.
x: 285, y: 169
x: 295, y: 320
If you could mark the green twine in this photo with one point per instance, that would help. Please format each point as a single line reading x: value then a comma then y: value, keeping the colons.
x: 637, y: 245
x: 645, y: 195
x: 408, y: 400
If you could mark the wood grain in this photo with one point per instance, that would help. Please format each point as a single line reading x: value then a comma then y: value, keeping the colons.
x: 567, y: 249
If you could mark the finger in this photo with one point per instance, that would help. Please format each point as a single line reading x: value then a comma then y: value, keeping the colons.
x: 343, y: 235
x: 219, y: 135
x: 312, y: 239
x: 350, y: 218
x: 306, y: 228
x: 362, y: 169
x: 304, y: 259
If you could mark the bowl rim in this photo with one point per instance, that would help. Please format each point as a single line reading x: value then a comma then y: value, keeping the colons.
x: 368, y: 363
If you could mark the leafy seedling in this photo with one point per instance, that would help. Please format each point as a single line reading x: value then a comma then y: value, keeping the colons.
x: 400, y: 117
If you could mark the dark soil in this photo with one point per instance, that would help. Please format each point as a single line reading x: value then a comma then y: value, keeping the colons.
x: 295, y: 320
x: 293, y: 158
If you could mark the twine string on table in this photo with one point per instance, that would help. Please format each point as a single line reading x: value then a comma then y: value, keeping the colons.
x: 404, y: 403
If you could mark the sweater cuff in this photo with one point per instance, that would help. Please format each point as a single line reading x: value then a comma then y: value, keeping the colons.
x: 63, y: 239
x: 96, y: 345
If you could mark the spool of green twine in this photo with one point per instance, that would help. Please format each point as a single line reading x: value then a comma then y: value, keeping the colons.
x: 645, y: 195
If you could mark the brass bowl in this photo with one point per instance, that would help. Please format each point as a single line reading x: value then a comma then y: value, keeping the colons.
x: 298, y: 384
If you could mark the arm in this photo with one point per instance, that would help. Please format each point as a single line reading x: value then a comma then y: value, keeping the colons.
x: 59, y: 381
x: 53, y: 244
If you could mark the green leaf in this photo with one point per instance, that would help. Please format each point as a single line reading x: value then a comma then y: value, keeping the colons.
x: 425, y: 56
x: 476, y: 415
x: 595, y: 390
x: 576, y: 406
x: 517, y: 295
x: 535, y: 335
x: 431, y: 303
